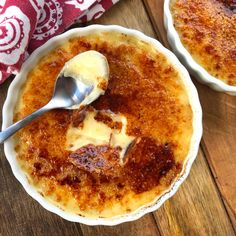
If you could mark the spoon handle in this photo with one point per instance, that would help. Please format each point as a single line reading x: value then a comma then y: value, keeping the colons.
x: 5, y: 134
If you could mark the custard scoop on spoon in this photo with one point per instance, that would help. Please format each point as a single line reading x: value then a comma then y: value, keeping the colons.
x: 81, y: 81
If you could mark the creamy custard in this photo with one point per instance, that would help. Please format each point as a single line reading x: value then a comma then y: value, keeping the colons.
x: 145, y: 110
x: 93, y: 130
x: 91, y: 68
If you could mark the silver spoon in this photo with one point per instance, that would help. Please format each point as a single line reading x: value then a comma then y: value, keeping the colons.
x: 67, y: 93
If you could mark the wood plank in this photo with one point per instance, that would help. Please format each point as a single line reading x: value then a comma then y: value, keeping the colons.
x: 219, y: 140
x: 144, y: 226
x: 155, y: 11
x: 196, y: 209
x: 219, y: 124
x: 130, y: 14
x: 231, y: 215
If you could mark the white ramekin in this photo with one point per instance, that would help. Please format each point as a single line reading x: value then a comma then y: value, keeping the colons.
x: 12, y: 96
x: 185, y: 57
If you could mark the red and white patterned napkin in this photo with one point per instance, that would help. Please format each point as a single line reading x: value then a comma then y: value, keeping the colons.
x: 27, y: 24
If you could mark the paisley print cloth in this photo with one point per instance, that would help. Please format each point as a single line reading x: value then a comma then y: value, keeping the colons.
x: 26, y: 25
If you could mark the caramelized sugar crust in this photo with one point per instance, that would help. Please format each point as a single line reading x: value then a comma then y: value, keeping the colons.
x: 207, y: 29
x: 147, y: 90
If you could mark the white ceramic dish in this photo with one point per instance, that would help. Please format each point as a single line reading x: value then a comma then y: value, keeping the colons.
x: 195, y: 69
x: 11, y: 100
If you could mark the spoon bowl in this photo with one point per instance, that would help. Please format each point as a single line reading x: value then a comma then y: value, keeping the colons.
x: 69, y: 92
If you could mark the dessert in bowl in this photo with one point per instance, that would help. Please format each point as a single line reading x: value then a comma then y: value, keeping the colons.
x: 123, y: 155
x: 203, y: 35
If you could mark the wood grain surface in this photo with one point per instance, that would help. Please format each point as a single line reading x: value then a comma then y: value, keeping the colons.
x: 204, y: 205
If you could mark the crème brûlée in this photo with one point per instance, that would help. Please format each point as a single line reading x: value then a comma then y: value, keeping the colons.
x: 122, y: 151
x: 207, y: 29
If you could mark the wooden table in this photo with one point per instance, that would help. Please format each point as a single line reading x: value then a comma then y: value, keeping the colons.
x: 204, y: 205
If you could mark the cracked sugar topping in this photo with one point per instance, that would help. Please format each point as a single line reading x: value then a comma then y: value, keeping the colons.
x: 145, y: 100
x: 207, y: 29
